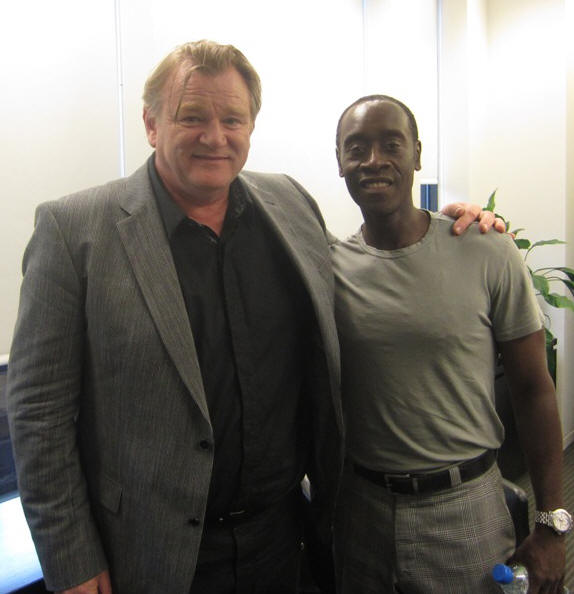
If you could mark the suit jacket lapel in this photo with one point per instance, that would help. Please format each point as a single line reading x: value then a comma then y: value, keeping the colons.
x: 289, y: 233
x: 143, y: 236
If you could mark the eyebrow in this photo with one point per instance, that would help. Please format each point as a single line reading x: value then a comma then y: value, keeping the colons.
x: 358, y: 136
x: 199, y: 106
x: 190, y: 106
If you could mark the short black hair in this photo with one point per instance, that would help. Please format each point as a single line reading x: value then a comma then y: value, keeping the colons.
x: 412, y: 121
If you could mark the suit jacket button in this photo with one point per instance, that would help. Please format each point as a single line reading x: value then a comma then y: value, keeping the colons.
x: 194, y: 521
x: 204, y: 444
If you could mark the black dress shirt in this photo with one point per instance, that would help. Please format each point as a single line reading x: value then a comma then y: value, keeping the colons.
x: 249, y: 315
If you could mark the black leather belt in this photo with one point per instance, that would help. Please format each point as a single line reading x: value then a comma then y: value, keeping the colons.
x: 232, y: 518
x: 286, y: 504
x: 412, y: 483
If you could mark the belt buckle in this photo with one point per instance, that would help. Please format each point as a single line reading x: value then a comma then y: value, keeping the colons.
x: 407, y: 476
x: 235, y: 515
x: 230, y: 517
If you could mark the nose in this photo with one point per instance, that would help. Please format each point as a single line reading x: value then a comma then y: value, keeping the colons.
x: 375, y: 158
x: 213, y: 134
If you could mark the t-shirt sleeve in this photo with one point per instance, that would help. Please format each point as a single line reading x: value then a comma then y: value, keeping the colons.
x: 515, y: 311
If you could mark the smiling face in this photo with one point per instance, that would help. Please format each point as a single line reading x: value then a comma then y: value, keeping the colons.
x: 201, y: 134
x: 378, y: 156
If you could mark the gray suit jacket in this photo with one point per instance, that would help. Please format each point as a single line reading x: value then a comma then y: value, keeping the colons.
x: 106, y: 403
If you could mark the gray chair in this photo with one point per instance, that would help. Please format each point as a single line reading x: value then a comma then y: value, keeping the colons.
x: 517, y: 503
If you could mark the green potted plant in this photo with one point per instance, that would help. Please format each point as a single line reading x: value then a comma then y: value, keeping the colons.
x: 510, y: 457
x: 543, y: 280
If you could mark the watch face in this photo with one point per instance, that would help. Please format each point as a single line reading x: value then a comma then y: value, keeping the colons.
x: 562, y: 520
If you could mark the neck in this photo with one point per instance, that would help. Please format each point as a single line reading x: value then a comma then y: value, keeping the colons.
x: 208, y: 211
x: 211, y: 214
x: 396, y: 230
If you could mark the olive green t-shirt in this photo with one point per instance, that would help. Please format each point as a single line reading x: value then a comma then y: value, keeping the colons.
x: 418, y: 328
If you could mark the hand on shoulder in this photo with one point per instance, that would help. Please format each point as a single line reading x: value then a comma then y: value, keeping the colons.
x: 465, y: 213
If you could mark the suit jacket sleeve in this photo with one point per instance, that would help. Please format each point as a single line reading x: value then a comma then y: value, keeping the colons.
x: 44, y: 389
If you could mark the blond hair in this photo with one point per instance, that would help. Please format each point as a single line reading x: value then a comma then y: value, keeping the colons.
x: 206, y: 56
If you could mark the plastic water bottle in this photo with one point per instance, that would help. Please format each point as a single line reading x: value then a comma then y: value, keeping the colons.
x: 514, y: 579
x: 511, y: 579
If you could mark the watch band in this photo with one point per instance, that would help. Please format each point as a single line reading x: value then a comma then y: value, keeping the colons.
x: 559, y: 520
x: 543, y: 517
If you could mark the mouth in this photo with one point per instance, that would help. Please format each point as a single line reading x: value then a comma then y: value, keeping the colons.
x: 376, y: 183
x: 213, y: 158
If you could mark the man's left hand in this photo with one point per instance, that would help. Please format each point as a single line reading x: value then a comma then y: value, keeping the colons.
x: 543, y: 553
x: 466, y: 213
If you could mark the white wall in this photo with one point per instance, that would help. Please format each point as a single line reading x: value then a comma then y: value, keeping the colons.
x: 58, y: 118
x: 314, y: 58
x: 61, y: 91
x: 400, y: 59
x: 503, y: 125
x: 503, y: 110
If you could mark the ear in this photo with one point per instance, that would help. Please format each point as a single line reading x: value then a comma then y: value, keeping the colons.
x: 150, y: 123
x: 339, y: 162
x: 418, y: 150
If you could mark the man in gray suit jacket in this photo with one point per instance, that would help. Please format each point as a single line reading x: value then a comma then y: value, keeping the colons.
x: 174, y: 372
x: 175, y: 368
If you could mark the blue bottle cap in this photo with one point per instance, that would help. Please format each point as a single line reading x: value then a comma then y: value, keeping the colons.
x: 502, y: 574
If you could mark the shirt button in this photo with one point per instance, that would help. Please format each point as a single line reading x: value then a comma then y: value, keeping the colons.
x: 194, y: 521
x: 204, y: 444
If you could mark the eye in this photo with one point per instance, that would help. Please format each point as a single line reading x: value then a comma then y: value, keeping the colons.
x: 355, y: 150
x: 190, y: 120
x: 233, y: 122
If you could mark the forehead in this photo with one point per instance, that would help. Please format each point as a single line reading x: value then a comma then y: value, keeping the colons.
x: 375, y: 118
x: 226, y: 88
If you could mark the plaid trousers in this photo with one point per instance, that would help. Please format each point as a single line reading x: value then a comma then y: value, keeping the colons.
x: 445, y: 542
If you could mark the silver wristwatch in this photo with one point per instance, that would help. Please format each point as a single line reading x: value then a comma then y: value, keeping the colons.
x: 559, y: 520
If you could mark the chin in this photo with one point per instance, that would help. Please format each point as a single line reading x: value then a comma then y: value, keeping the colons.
x: 212, y: 181
x: 372, y: 201
x: 380, y: 208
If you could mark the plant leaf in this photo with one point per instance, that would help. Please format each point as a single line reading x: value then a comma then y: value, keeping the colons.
x: 539, y: 277
x: 569, y: 272
x: 491, y: 202
x: 559, y: 301
x: 569, y: 284
x: 541, y: 284
x: 547, y: 242
x: 522, y: 244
